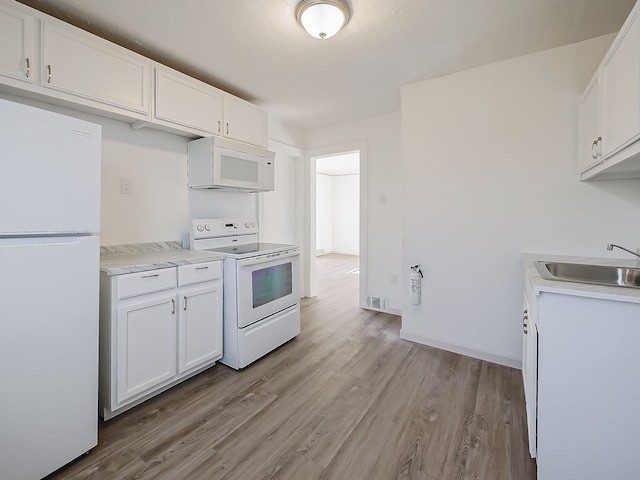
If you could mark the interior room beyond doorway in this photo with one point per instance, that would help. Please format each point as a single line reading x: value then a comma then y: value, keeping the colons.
x: 338, y: 212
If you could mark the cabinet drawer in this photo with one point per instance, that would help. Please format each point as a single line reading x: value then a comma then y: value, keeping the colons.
x: 199, y: 272
x: 133, y: 284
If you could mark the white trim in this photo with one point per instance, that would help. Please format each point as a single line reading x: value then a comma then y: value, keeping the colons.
x: 469, y: 352
x: 285, y: 149
x: 297, y: 155
x: 308, y: 260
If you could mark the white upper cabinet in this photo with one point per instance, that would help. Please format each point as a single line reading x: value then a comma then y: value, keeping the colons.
x: 186, y: 103
x: 613, y: 120
x: 245, y: 122
x: 589, y: 135
x: 17, y: 38
x: 621, y: 89
x: 74, y: 68
x: 99, y: 72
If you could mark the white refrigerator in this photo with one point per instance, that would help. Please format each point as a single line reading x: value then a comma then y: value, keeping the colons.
x: 49, y: 278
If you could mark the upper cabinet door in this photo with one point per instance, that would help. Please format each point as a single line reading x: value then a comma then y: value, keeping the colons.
x: 93, y: 69
x: 245, y: 122
x: 621, y: 89
x: 589, y: 137
x: 17, y: 41
x: 186, y: 102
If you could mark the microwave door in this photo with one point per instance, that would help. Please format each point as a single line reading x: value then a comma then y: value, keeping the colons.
x: 238, y: 169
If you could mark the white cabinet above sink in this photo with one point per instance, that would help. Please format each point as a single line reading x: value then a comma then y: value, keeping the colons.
x: 609, y: 111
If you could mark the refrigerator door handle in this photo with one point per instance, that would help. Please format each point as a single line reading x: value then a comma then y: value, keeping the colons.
x: 41, y: 241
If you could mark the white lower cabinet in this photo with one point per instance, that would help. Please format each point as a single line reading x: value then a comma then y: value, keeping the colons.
x: 146, y: 344
x: 581, y: 373
x: 157, y: 328
x: 200, y: 338
x: 530, y: 371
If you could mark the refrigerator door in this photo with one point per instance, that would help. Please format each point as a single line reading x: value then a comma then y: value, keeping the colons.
x: 49, y: 172
x: 48, y: 352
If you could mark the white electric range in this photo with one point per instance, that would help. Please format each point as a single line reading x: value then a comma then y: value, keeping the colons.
x: 261, y: 288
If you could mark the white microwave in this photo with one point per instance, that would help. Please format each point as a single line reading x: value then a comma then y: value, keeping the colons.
x: 220, y: 163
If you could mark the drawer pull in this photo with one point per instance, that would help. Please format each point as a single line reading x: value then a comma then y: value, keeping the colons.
x: 202, y: 268
x: 28, y: 72
x: 185, y: 303
x: 48, y: 73
x: 173, y: 306
x: 151, y: 276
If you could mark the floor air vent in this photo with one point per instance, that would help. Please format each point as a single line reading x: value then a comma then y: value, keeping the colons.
x: 377, y: 303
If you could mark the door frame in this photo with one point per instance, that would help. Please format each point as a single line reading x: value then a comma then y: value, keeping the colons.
x: 307, y: 222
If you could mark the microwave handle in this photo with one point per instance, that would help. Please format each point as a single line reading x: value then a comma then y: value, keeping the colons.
x: 269, y: 257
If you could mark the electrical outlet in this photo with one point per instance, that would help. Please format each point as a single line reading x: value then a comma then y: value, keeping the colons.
x: 125, y: 186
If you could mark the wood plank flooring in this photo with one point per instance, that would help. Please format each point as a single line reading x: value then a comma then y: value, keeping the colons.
x: 346, y: 399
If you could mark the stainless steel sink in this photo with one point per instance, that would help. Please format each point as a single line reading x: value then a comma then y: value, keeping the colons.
x: 596, y: 274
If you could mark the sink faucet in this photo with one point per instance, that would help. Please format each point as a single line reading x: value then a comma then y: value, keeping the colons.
x: 611, y: 245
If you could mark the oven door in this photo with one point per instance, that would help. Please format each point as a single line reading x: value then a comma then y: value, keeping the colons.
x: 267, y: 284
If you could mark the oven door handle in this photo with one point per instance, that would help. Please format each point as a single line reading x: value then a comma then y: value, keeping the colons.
x: 269, y: 257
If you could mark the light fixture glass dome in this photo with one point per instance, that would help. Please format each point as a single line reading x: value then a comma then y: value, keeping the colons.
x: 322, y: 18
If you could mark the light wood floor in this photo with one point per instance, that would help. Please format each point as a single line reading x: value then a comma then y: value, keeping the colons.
x: 346, y: 399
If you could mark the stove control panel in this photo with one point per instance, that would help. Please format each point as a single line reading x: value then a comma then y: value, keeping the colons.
x: 223, y: 227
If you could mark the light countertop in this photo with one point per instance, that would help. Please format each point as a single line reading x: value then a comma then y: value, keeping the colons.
x: 539, y: 284
x: 141, y: 257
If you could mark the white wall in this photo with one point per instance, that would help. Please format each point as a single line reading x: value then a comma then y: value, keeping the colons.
x: 383, y: 176
x: 324, y: 213
x: 489, y: 172
x: 278, y: 208
x: 346, y: 214
x: 338, y: 214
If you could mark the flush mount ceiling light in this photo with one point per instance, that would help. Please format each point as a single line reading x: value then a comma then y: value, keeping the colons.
x: 322, y: 18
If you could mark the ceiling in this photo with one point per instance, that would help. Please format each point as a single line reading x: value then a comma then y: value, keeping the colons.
x: 257, y: 51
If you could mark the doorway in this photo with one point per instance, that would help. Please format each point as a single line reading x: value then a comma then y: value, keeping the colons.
x: 337, y: 219
x: 327, y: 171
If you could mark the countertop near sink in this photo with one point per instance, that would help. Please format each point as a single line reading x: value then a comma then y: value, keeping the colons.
x: 141, y: 257
x: 539, y: 284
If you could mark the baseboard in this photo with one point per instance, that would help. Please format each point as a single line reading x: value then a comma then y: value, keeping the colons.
x: 469, y: 352
x: 343, y: 252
